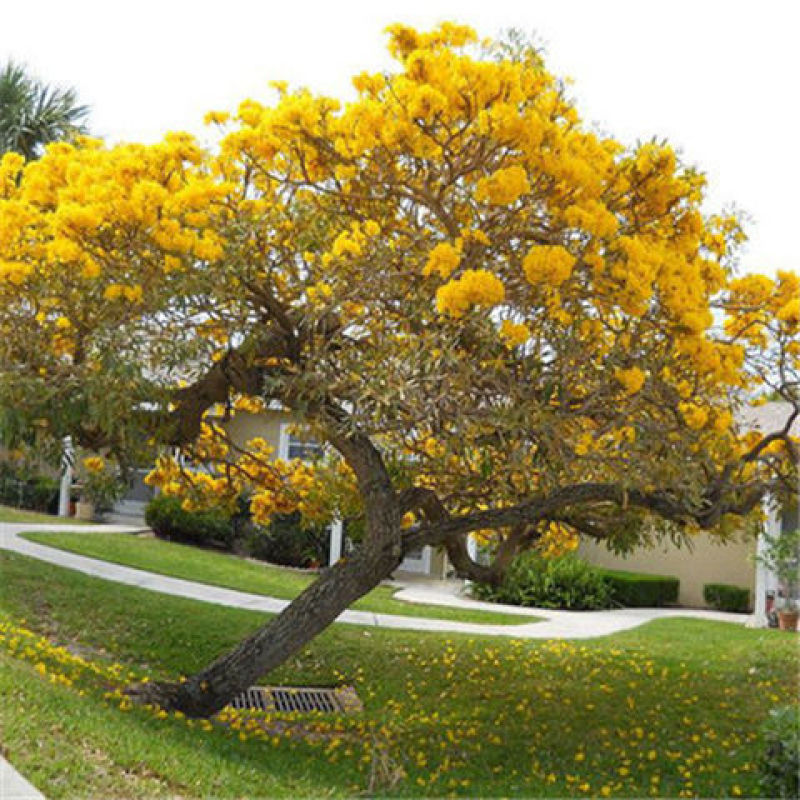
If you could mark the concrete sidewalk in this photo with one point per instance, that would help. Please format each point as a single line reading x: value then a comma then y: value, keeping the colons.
x: 553, y: 624
x: 13, y: 786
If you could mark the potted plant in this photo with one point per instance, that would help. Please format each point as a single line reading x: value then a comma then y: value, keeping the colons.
x: 100, y: 489
x: 782, y: 557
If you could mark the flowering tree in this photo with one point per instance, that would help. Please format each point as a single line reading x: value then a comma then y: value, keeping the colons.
x: 499, y: 320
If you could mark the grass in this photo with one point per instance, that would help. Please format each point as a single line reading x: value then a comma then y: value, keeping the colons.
x: 17, y: 515
x: 669, y: 709
x: 232, y: 572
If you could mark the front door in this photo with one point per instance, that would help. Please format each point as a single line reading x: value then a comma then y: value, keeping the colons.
x: 418, y: 560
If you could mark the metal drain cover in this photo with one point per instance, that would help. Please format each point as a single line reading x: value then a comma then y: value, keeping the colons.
x: 341, y: 700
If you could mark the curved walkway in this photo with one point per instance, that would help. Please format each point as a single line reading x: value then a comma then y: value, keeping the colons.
x: 553, y: 624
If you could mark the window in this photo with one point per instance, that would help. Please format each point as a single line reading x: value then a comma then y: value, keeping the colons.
x: 304, y: 449
x: 295, y: 443
x: 790, y: 518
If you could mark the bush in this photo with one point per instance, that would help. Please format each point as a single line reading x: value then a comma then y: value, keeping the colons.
x: 639, y: 590
x: 725, y: 597
x: 562, y: 582
x: 285, y: 541
x: 20, y: 489
x: 780, y: 762
x: 169, y: 521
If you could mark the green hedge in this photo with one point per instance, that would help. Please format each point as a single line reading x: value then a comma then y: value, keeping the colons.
x: 32, y: 492
x: 169, y: 521
x: 284, y: 541
x: 571, y: 583
x: 725, y: 597
x: 640, y: 590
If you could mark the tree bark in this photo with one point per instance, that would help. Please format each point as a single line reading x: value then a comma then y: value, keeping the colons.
x: 267, y: 648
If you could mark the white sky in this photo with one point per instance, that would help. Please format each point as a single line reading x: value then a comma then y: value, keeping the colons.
x: 717, y: 78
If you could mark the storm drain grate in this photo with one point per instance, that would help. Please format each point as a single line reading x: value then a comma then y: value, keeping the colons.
x: 298, y: 699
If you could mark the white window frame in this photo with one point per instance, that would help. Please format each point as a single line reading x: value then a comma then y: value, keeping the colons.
x: 284, y: 440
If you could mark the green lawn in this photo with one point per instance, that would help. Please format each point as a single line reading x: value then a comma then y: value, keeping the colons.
x: 232, y: 572
x: 17, y: 515
x: 670, y: 709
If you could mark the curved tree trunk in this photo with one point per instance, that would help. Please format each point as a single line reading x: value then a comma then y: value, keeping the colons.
x: 267, y: 648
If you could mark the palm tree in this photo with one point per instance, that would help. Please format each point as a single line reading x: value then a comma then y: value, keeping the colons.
x: 33, y: 113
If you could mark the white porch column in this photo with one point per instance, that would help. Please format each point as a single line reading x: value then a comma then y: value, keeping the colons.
x: 765, y: 580
x: 472, y: 552
x: 67, y: 462
x: 337, y: 535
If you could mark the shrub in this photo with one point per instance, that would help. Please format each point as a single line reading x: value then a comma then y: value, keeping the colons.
x: 780, y: 761
x: 639, y: 590
x: 21, y: 489
x: 725, y: 597
x: 562, y: 582
x: 285, y: 541
x: 41, y: 494
x: 169, y: 521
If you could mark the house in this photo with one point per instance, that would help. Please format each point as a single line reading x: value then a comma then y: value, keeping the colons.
x: 708, y: 561
x: 283, y: 431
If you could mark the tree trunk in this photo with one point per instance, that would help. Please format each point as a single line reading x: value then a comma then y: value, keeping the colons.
x: 267, y: 648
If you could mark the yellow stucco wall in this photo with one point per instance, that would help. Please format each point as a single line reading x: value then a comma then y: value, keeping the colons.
x: 708, y: 562
x: 244, y: 427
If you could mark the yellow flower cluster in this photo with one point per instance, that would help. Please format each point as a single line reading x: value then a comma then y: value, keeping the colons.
x: 549, y: 265
x: 94, y: 464
x: 557, y: 540
x: 695, y: 416
x: 514, y: 333
x: 249, y: 404
x: 475, y: 287
x: 632, y: 379
x: 115, y: 291
x: 443, y: 260
x: 503, y: 187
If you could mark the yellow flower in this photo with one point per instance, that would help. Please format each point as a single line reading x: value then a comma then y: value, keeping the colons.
x: 94, y: 464
x: 443, y: 259
x: 790, y: 312
x: 474, y: 287
x: 216, y: 118
x: 371, y: 228
x: 632, y: 379
x: 513, y: 333
x: 503, y: 187
x: 548, y: 264
x: 695, y: 416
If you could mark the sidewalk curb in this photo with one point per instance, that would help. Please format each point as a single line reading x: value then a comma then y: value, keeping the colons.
x: 13, y: 786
